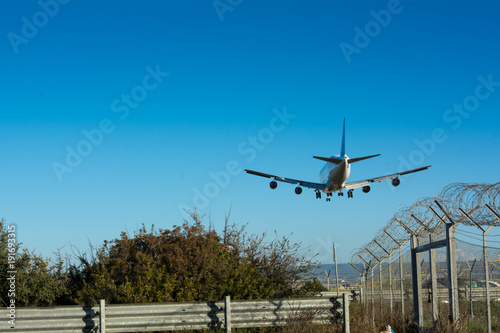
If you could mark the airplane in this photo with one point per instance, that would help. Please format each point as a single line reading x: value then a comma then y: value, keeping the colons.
x: 334, y: 174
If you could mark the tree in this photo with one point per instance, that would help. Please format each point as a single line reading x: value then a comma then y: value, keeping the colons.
x: 314, y: 286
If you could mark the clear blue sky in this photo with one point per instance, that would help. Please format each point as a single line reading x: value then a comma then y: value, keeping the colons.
x: 172, y: 92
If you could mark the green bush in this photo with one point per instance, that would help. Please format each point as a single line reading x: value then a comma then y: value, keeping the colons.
x: 37, y: 281
x: 190, y: 263
x: 313, y: 286
x: 186, y: 263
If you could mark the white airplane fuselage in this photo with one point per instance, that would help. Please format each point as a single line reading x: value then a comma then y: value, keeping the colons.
x: 334, y: 176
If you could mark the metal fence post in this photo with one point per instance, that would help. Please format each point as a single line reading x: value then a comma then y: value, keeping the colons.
x: 373, y: 301
x: 367, y: 286
x: 364, y: 295
x: 434, y: 287
x: 391, y: 295
x: 452, y: 271
x: 361, y: 294
x: 102, y: 316
x: 336, y: 270
x: 433, y: 271
x: 416, y: 273
x: 452, y: 261
x: 381, y: 288
x: 345, y: 303
x: 227, y: 313
x: 487, y: 281
x: 401, y: 278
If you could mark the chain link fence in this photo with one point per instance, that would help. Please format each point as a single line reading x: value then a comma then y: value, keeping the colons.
x: 459, y: 223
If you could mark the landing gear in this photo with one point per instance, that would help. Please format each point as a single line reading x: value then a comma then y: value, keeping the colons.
x: 318, y: 194
x: 341, y: 194
x: 328, y: 196
x: 349, y: 194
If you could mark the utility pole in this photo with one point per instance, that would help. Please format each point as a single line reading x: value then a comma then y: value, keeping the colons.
x: 336, y: 270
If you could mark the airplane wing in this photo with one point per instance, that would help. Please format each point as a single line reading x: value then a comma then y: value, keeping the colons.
x: 317, y: 186
x: 361, y: 183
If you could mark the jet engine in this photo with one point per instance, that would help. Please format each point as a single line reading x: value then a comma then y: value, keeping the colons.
x: 366, y: 189
x: 298, y: 190
x: 396, y: 182
x: 273, y: 184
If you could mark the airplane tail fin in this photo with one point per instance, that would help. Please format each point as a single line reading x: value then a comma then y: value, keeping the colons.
x: 342, y: 148
x: 339, y: 159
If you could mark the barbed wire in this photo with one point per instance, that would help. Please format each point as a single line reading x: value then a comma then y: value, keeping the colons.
x: 426, y: 217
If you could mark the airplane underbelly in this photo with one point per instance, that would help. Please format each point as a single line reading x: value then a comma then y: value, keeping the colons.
x: 337, y: 179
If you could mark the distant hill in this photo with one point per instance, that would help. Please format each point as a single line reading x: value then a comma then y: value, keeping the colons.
x: 346, y: 272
